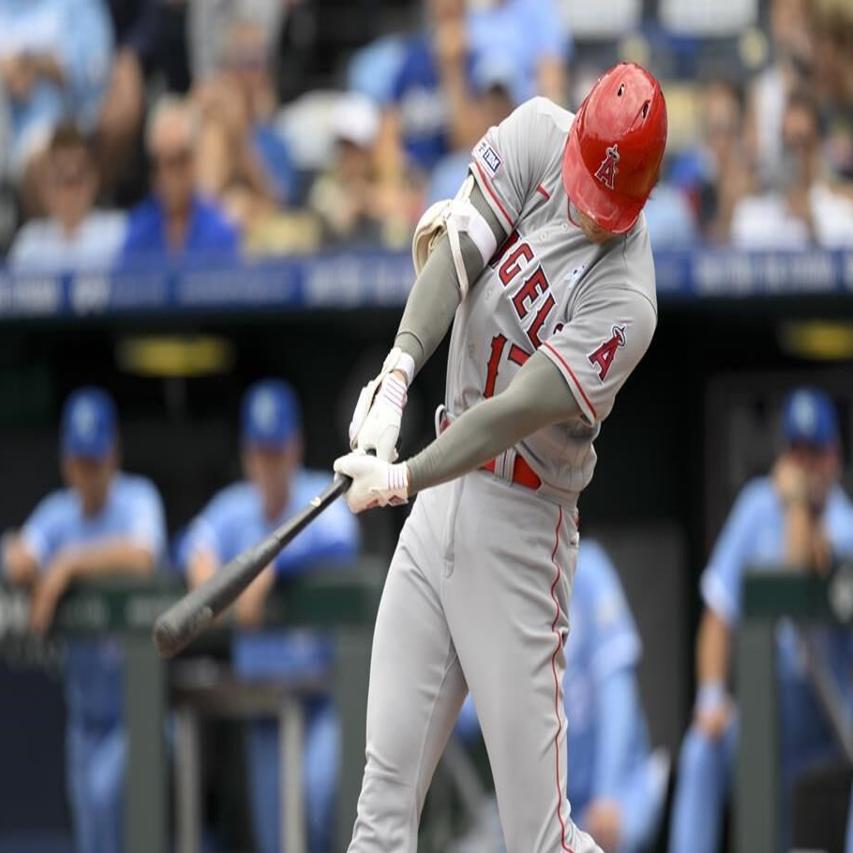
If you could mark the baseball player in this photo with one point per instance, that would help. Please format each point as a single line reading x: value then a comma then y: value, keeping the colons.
x: 616, y: 785
x: 544, y: 262
x: 276, y: 486
x: 104, y: 521
x: 798, y: 516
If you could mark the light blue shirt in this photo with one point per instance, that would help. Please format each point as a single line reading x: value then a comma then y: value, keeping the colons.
x: 79, y: 34
x: 602, y: 647
x: 234, y: 521
x: 133, y: 511
x: 527, y: 31
x: 754, y: 538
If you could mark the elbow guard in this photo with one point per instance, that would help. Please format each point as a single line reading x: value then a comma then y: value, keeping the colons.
x: 454, y: 217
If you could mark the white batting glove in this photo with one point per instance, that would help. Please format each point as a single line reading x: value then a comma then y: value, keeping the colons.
x: 378, y: 413
x: 375, y: 482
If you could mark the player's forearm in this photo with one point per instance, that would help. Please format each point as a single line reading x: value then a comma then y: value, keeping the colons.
x: 618, y: 708
x: 712, y: 651
x: 536, y: 398
x: 19, y: 565
x: 435, y: 295
x: 119, y: 556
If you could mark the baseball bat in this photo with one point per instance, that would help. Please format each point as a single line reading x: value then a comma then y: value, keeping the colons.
x: 188, y: 617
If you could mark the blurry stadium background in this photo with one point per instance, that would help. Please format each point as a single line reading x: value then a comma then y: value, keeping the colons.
x: 290, y: 146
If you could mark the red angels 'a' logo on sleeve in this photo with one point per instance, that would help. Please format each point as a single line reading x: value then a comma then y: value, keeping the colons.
x: 609, y: 167
x: 603, y: 356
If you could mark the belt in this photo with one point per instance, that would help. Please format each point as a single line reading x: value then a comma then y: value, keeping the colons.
x: 521, y: 474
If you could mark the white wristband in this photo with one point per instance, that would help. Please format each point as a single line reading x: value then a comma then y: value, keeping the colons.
x: 711, y: 695
x: 402, y: 361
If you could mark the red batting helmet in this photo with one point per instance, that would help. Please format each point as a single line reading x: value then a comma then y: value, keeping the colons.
x: 615, y: 147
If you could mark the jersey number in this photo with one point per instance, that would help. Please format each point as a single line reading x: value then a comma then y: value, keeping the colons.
x: 516, y: 355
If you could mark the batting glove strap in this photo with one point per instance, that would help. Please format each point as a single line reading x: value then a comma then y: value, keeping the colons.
x: 375, y: 482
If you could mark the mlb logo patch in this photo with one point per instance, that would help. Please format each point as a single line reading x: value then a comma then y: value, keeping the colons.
x: 490, y: 158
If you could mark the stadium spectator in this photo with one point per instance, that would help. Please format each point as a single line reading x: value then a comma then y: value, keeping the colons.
x: 54, y: 61
x: 716, y: 173
x: 103, y: 522
x: 176, y: 220
x: 802, y: 210
x: 833, y: 81
x: 74, y: 235
x: 496, y: 90
x: 798, y: 517
x: 790, y: 70
x: 429, y: 109
x: 616, y: 785
x: 276, y: 486
x: 347, y: 199
x: 242, y: 159
x: 136, y: 26
x: 541, y: 55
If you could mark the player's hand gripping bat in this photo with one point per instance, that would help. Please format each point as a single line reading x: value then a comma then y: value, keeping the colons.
x: 175, y: 629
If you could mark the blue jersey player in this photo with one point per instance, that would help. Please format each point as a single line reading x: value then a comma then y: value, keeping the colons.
x: 276, y: 487
x: 616, y: 785
x: 798, y: 516
x: 103, y: 522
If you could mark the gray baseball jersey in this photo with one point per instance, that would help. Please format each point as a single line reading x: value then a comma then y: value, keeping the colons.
x: 591, y: 309
x: 478, y: 590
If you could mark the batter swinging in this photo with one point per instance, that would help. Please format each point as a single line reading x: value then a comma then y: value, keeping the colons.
x: 544, y: 259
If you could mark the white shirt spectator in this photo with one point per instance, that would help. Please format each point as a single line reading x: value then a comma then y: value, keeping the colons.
x: 42, y: 245
x: 766, y: 222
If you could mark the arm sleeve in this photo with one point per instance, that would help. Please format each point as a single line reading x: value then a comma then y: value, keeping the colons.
x: 537, y: 397
x: 618, y: 707
x: 510, y: 160
x: 599, y: 348
x: 435, y: 295
x: 147, y: 523
x: 87, y: 56
x: 721, y: 580
x: 616, y: 642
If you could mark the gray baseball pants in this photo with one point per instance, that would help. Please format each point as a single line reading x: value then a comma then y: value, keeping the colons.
x: 476, y: 599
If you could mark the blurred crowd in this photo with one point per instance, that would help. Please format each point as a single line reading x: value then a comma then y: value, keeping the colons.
x: 158, y: 127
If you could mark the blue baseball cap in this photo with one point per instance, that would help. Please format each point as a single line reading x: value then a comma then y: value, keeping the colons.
x: 88, y: 424
x: 271, y: 414
x: 809, y: 417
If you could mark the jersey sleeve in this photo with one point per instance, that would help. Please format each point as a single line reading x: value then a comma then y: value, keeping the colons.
x: 598, y: 349
x: 146, y: 520
x: 509, y: 161
x: 209, y: 532
x: 722, y: 579
x: 614, y: 640
x: 42, y: 531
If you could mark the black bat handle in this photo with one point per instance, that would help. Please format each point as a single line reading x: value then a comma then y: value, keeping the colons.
x: 175, y: 629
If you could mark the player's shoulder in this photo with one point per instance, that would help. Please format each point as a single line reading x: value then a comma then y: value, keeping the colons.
x: 840, y: 503
x: 235, y: 499
x: 308, y: 483
x: 757, y: 495
x: 135, y: 487
x: 57, y: 504
x: 542, y: 123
